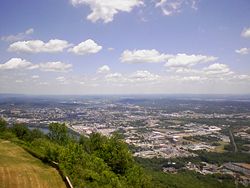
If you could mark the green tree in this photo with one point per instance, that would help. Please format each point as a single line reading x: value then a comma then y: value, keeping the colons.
x: 47, y: 149
x: 35, y: 134
x: 113, y: 151
x: 85, y: 143
x: 21, y: 131
x: 3, y: 125
x: 136, y: 177
x: 58, y: 133
x: 96, y: 141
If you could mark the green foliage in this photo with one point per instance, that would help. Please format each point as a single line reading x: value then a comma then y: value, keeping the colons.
x: 188, y: 179
x: 212, y: 157
x: 242, y: 144
x: 96, y: 142
x: 137, y: 178
x: 46, y: 149
x: 82, y: 166
x: 4, y: 131
x: 21, y: 131
x: 36, y: 133
x: 7, y: 135
x: 3, y: 125
x: 158, y: 163
x: 85, y: 143
x: 229, y: 147
x: 95, y: 162
x: 184, y: 178
x: 58, y: 133
x: 113, y: 151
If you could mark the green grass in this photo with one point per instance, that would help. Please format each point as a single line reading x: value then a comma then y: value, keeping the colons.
x: 20, y: 169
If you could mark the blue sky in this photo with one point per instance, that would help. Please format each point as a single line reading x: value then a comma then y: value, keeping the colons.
x: 124, y: 46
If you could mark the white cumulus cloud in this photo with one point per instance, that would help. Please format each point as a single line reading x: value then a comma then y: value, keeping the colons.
x: 135, y: 77
x: 19, y: 36
x: 103, y: 69
x: 241, y: 77
x: 184, y: 60
x: 243, y: 51
x: 37, y: 46
x: 105, y: 10
x: 217, y: 69
x: 115, y: 77
x: 174, y: 61
x: 246, y: 33
x: 143, y: 56
x: 56, y: 66
x: 18, y: 63
x: 15, y: 63
x: 144, y: 75
x: 170, y: 7
x: 87, y: 47
x: 29, y: 31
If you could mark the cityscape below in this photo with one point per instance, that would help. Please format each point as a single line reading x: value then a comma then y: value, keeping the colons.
x: 154, y: 126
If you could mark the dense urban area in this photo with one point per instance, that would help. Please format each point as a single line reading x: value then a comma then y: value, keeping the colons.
x: 178, y: 133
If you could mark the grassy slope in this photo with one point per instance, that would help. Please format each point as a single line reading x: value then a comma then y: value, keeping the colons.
x: 19, y: 169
